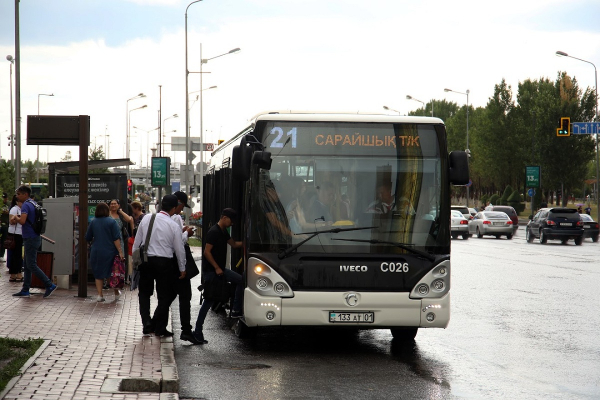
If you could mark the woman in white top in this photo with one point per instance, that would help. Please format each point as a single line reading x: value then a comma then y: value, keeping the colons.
x: 15, y: 256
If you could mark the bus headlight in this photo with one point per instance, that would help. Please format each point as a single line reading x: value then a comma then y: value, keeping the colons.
x: 437, y: 285
x: 434, y: 284
x: 262, y: 279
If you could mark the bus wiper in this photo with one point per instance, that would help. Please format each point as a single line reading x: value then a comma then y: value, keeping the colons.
x: 289, y: 250
x: 397, y: 244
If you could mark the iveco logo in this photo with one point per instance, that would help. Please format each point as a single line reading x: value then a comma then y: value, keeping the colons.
x: 353, y: 268
x: 351, y: 299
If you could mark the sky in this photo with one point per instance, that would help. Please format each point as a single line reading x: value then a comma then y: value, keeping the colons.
x: 326, y: 55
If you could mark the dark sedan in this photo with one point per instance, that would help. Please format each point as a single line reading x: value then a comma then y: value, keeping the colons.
x: 590, y: 227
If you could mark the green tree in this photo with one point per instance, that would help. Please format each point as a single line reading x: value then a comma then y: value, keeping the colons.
x: 97, y: 153
x: 7, y: 176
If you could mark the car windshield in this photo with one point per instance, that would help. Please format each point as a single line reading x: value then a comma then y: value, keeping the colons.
x: 457, y: 214
x: 587, y: 218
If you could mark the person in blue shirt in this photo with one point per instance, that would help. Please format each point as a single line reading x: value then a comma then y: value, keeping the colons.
x: 105, y: 236
x: 31, y: 242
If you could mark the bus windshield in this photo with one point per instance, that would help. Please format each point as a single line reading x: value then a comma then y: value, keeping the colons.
x: 383, y: 179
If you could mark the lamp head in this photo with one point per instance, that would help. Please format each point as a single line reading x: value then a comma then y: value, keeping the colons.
x: 10, y: 58
x: 562, y: 53
x: 234, y: 50
x: 385, y: 108
x: 175, y: 115
x: 409, y: 97
x: 447, y: 90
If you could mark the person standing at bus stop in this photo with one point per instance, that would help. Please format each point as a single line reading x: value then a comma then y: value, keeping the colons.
x: 184, y: 286
x: 213, y: 263
x: 165, y: 241
x: 32, y: 241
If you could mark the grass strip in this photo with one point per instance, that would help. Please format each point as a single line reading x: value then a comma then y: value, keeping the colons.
x: 14, y: 354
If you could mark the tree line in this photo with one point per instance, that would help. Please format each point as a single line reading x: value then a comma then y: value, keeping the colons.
x: 512, y: 132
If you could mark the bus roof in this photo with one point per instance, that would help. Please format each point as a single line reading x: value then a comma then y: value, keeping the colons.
x: 286, y: 115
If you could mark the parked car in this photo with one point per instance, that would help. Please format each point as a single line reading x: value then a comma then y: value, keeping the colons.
x: 463, y: 209
x: 557, y: 223
x: 495, y: 223
x: 472, y: 211
x: 590, y: 227
x: 459, y: 225
x: 512, y: 214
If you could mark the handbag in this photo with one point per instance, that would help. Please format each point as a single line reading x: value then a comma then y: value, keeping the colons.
x: 191, y: 269
x: 117, y: 274
x: 216, y: 289
x: 9, y: 242
x: 140, y: 255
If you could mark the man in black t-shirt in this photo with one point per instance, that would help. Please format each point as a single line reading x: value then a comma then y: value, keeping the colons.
x: 214, y: 259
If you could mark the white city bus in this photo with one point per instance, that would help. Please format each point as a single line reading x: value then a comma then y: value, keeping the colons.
x: 344, y: 219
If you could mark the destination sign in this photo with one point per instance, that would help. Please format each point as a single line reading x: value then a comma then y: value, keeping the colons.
x: 334, y: 138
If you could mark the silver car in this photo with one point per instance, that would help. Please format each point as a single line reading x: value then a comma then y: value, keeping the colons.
x: 459, y: 225
x: 495, y: 223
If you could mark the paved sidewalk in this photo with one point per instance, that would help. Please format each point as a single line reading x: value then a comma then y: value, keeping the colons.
x: 93, y: 346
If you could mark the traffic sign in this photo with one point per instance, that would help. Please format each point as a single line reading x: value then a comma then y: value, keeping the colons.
x: 532, y: 176
x: 209, y: 147
x: 531, y: 192
x: 585, y: 128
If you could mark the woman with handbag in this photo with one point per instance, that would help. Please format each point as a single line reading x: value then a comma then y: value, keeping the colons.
x: 107, y: 245
x: 15, y: 251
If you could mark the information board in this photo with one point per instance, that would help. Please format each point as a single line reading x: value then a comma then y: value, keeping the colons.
x: 161, y: 171
x: 532, y: 176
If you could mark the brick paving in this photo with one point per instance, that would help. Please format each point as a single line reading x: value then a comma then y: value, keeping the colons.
x: 89, y: 342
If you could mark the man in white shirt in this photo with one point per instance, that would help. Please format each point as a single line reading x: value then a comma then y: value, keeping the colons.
x: 162, y: 267
x: 184, y: 286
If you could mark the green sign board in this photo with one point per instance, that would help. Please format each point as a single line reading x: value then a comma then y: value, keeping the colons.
x: 532, y: 176
x: 161, y: 171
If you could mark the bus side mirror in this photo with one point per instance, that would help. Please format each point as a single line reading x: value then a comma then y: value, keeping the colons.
x: 241, y: 158
x: 458, y: 163
x: 262, y: 159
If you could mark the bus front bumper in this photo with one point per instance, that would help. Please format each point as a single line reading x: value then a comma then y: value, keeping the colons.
x: 316, y: 308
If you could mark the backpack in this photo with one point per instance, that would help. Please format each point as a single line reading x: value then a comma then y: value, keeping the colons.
x: 40, y: 218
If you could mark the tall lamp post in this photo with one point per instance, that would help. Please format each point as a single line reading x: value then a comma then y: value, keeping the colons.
x: 409, y: 97
x: 139, y: 96
x: 391, y: 109
x: 160, y: 150
x: 37, y: 169
x: 11, y: 60
x: 202, y: 62
x: 127, y: 142
x: 563, y: 54
x: 187, y: 102
x: 467, y: 149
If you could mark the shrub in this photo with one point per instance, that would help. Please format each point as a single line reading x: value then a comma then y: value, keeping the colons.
x: 508, y: 191
x: 514, y: 200
x: 495, y: 199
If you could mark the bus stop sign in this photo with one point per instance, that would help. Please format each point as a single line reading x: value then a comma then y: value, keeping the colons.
x: 532, y: 176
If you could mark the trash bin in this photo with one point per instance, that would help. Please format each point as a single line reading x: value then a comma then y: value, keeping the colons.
x: 45, y: 260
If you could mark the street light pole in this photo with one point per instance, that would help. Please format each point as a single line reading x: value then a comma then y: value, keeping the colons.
x: 37, y: 169
x: 409, y: 97
x: 467, y: 149
x: 187, y: 103
x: 12, y: 134
x: 163, y: 133
x: 204, y: 61
x: 139, y: 96
x: 391, y: 109
x: 128, y: 150
x: 563, y: 54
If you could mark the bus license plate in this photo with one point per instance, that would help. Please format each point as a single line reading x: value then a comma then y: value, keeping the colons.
x: 351, y: 317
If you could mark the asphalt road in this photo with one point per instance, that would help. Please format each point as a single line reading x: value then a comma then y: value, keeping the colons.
x: 524, y: 326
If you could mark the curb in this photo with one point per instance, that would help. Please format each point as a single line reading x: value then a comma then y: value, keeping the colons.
x: 24, y: 368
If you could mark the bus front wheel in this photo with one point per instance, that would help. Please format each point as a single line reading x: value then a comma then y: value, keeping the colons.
x: 404, y: 333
